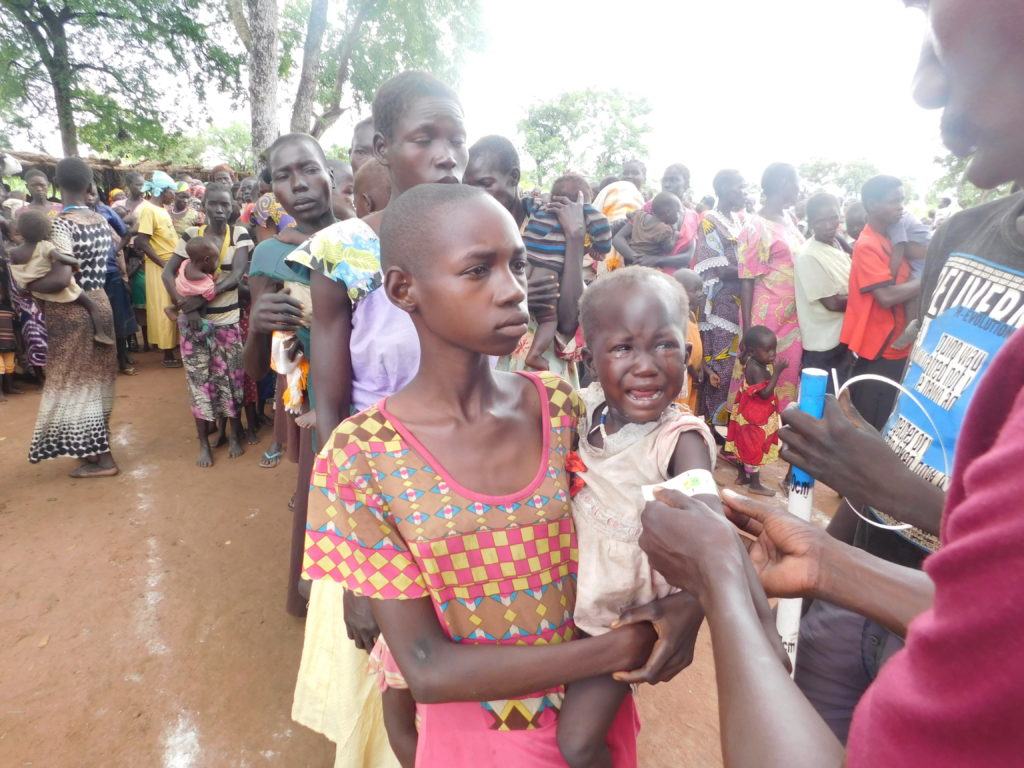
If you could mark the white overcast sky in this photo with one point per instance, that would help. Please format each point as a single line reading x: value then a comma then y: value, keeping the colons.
x: 732, y: 83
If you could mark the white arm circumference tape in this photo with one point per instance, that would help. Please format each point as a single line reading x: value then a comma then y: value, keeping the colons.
x: 693, y: 482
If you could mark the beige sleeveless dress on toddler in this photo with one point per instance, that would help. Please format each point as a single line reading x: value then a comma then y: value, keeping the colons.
x: 614, y: 573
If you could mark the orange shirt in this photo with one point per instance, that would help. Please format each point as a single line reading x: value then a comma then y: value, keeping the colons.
x: 688, y: 396
x: 868, y: 327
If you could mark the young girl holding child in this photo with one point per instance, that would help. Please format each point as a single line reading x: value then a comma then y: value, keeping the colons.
x: 35, y: 257
x: 754, y: 428
x: 471, y: 563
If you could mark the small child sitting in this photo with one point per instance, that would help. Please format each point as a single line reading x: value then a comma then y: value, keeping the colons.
x: 754, y: 427
x: 545, y: 249
x: 654, y: 234
x: 909, y: 238
x: 195, y: 275
x: 36, y: 255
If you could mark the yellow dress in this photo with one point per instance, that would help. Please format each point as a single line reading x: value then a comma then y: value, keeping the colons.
x: 156, y: 222
x: 335, y: 694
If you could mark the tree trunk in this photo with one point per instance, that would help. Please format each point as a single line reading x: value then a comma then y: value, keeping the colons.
x: 302, y: 111
x: 60, y: 78
x: 345, y: 47
x: 263, y: 63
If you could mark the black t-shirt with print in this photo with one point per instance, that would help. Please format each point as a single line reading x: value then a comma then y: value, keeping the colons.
x: 972, y: 301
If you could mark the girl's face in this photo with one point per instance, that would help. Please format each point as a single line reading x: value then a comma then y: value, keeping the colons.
x: 638, y: 353
x: 37, y: 188
x: 217, y: 205
x: 300, y: 181
x: 825, y: 224
x: 765, y: 353
x: 428, y: 146
x: 470, y: 289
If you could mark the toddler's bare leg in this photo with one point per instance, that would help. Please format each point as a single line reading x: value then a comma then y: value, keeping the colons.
x: 587, y: 713
x: 542, y: 341
x: 400, y: 723
x: 98, y: 334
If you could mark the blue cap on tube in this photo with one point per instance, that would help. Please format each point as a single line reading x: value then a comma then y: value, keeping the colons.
x: 813, y: 386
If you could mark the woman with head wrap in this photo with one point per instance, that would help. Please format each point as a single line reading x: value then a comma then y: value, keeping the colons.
x: 183, y: 213
x: 157, y: 240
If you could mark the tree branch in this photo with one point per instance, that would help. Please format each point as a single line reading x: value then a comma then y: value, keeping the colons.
x: 302, y: 110
x: 345, y: 48
x: 236, y: 12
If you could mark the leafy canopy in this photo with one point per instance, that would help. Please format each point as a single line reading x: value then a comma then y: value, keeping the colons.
x: 592, y: 131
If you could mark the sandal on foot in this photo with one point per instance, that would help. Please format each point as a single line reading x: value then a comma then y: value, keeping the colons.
x: 270, y: 459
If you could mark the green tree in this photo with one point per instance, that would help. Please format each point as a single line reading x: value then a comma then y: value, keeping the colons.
x: 848, y: 177
x: 954, y: 179
x: 593, y: 131
x: 345, y: 63
x: 59, y: 59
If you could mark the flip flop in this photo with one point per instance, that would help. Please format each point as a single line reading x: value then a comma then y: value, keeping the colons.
x: 129, y: 371
x: 269, y: 459
x: 171, y: 363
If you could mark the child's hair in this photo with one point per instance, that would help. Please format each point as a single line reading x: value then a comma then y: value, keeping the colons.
x: 570, y: 185
x: 409, y: 220
x: 498, y: 148
x: 290, y: 138
x: 33, y: 225
x: 610, y: 286
x: 665, y: 203
x: 397, y: 94
x: 203, y: 253
x: 819, y: 202
x: 74, y: 175
x: 373, y: 178
x: 876, y: 188
x: 757, y: 337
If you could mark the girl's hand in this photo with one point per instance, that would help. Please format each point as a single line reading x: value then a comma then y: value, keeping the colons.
x: 570, y: 214
x: 192, y: 304
x: 359, y: 621
x: 676, y: 620
x: 782, y: 365
x: 542, y: 293
x: 786, y: 551
x: 694, y: 548
x: 714, y: 379
x: 276, y: 312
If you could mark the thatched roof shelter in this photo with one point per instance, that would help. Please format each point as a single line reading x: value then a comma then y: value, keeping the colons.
x: 108, y: 173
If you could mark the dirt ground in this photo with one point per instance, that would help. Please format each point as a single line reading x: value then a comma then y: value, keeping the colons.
x: 142, y: 617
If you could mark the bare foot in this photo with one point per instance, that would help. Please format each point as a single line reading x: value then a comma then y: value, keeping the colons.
x: 90, y: 469
x: 205, y: 455
x: 760, y: 490
x: 252, y: 437
x: 742, y: 478
x: 222, y: 433
x: 102, y: 338
x: 306, y: 420
x: 235, y: 447
x: 908, y: 336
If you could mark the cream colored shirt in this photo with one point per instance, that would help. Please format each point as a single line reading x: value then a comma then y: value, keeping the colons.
x: 820, y: 271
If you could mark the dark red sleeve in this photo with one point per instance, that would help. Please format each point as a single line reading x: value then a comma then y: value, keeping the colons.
x: 954, y: 696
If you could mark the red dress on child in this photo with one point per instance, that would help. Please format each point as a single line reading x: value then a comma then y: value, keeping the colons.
x: 753, y: 434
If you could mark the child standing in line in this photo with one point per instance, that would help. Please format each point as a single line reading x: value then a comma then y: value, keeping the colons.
x: 693, y: 284
x: 754, y: 427
x: 34, y: 258
x: 8, y: 341
x: 545, y: 249
x: 470, y: 563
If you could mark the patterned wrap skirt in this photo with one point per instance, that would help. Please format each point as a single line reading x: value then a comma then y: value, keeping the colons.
x: 212, y: 357
x: 78, y: 395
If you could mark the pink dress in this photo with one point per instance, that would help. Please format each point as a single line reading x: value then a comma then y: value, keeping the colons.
x: 388, y: 522
x: 765, y: 252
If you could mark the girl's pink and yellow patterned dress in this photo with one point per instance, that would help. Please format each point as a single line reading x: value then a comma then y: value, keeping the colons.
x: 387, y: 521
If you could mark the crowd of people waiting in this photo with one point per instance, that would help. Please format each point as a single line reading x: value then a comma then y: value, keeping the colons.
x: 460, y: 524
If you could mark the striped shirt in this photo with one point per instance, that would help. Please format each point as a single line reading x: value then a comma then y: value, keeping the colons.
x: 545, y: 239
